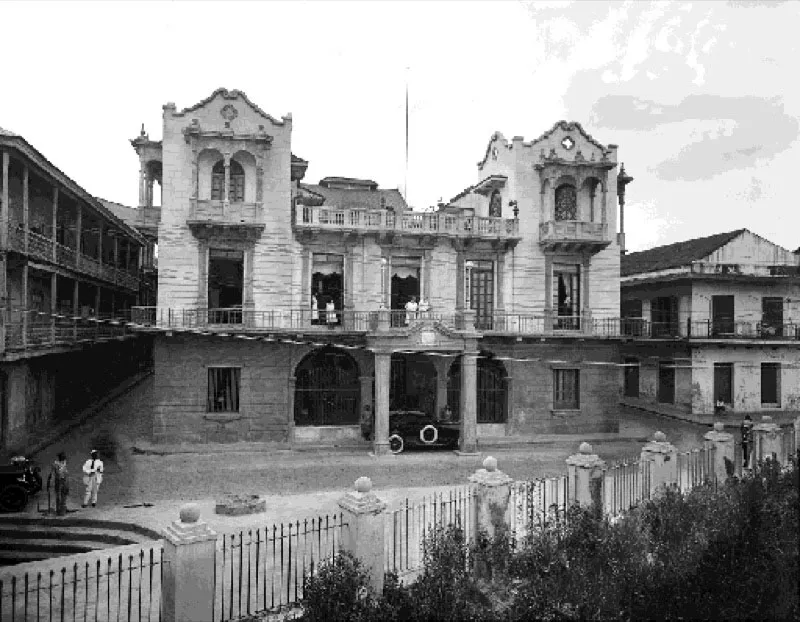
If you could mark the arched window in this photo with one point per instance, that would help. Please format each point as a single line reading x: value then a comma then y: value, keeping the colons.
x: 327, y: 389
x: 496, y: 205
x: 566, y: 203
x: 236, y: 192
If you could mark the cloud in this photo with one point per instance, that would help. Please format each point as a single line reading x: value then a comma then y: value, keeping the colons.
x: 724, y: 133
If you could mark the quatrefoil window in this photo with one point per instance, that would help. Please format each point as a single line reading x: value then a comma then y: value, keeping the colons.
x: 567, y: 143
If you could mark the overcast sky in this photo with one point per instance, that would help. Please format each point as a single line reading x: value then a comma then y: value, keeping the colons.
x: 701, y: 97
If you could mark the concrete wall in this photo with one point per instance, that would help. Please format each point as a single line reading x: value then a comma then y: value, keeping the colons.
x: 746, y: 376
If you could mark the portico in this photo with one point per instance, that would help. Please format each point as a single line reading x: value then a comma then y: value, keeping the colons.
x: 434, y: 337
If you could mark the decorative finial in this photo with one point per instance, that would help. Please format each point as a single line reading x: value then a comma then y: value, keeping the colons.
x: 143, y: 134
x: 660, y: 437
x: 490, y: 464
x: 585, y: 448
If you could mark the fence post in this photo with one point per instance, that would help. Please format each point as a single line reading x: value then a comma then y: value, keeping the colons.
x: 187, y: 584
x: 585, y: 471
x: 662, y: 457
x: 492, y: 496
x: 364, y: 535
x: 722, y: 442
x: 767, y: 441
x: 796, y: 435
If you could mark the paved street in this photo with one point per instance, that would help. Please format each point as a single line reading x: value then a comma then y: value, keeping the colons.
x: 300, y: 482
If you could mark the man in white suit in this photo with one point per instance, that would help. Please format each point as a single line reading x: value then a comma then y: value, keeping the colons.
x: 92, y: 477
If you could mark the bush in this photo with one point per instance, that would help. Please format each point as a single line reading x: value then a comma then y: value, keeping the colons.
x: 339, y: 591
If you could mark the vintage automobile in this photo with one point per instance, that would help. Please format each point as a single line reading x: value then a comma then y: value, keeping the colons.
x: 18, y: 482
x: 413, y: 428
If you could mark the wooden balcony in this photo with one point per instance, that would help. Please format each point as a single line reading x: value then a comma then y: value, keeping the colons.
x: 315, y: 219
x: 46, y: 249
x: 573, y: 236
x: 24, y: 331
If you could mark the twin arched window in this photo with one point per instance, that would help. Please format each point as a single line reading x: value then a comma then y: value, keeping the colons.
x: 236, y: 191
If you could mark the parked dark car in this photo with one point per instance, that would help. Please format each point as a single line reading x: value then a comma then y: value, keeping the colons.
x: 413, y: 428
x: 19, y: 481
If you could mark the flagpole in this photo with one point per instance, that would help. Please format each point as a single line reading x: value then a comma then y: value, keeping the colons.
x: 405, y: 184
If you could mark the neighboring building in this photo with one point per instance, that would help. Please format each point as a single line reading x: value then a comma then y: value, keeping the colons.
x: 261, y: 276
x: 65, y: 262
x: 711, y: 320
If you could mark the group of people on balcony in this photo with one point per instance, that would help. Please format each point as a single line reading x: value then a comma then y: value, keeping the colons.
x: 416, y: 310
x: 326, y: 314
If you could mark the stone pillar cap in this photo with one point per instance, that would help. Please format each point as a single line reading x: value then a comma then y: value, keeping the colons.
x: 490, y: 475
x: 585, y: 458
x: 659, y: 444
x: 362, y: 500
x: 718, y: 433
x: 189, y: 528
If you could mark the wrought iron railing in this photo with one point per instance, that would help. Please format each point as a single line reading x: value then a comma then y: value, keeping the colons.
x: 266, y: 569
x: 125, y: 586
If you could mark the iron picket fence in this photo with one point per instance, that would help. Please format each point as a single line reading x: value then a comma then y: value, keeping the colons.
x: 124, y: 586
x: 626, y: 485
x: 695, y: 468
x: 407, y: 527
x: 265, y: 569
x: 538, y: 504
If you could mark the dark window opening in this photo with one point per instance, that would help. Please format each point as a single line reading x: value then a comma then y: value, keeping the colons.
x: 566, y: 389
x: 566, y: 203
x: 632, y: 322
x: 223, y: 389
x: 481, y: 293
x: 492, y: 390
x: 631, y: 377
x: 405, y: 287
x: 567, y: 297
x: 772, y: 316
x: 666, y: 383
x: 496, y: 205
x: 236, y: 187
x: 664, y: 316
x: 722, y: 315
x: 225, y: 286
x: 770, y: 384
x: 412, y: 383
x: 327, y: 289
x: 723, y: 383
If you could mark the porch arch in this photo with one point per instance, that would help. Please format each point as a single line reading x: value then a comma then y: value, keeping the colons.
x: 327, y: 389
x: 491, y: 389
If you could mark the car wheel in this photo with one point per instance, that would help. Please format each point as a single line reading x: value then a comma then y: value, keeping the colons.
x: 13, y: 498
x: 396, y: 443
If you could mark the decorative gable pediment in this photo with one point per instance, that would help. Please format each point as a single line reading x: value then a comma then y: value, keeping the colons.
x: 230, y: 104
x: 428, y: 333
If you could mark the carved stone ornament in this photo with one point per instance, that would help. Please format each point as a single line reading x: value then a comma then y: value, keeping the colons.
x: 229, y: 112
x: 568, y: 143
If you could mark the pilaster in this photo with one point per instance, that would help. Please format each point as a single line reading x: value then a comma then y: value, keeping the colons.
x: 585, y: 473
x: 661, y: 457
x: 493, y: 494
x: 383, y: 365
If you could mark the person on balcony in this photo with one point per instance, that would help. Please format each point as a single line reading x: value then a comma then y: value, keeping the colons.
x: 330, y: 313
x: 314, y: 309
x: 411, y: 310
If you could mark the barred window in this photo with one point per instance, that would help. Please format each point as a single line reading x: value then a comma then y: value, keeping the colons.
x: 566, y: 389
x: 566, y: 203
x: 223, y: 389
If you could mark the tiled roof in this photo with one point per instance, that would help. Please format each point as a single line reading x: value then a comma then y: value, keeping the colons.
x: 370, y: 199
x: 675, y: 255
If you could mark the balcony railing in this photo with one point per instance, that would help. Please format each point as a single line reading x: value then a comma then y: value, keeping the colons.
x: 573, y: 232
x: 336, y: 218
x: 32, y: 329
x: 516, y: 324
x: 225, y: 213
x: 43, y: 248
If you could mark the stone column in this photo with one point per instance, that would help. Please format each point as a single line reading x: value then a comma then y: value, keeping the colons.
x: 383, y: 368
x: 76, y: 307
x: 100, y: 242
x: 142, y: 185
x: 469, y: 413
x: 366, y: 392
x: 291, y: 385
x: 661, y: 457
x: 25, y: 303
x: 442, y: 365
x: 460, y: 280
x: 364, y: 535
x: 226, y: 193
x: 585, y: 472
x: 767, y: 441
x: 548, y: 294
x: 723, y: 445
x: 187, y: 584
x: 493, y: 494
x: 586, y: 307
x: 26, y: 213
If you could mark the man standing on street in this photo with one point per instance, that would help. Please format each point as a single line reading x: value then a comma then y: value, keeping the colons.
x: 92, y: 477
x: 58, y: 473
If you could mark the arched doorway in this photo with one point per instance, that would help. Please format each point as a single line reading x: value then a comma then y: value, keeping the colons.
x: 327, y: 389
x: 491, y: 391
x: 413, y: 383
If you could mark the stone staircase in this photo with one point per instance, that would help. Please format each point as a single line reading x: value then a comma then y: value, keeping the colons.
x: 24, y: 540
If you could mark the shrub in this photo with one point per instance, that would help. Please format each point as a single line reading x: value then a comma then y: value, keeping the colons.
x: 339, y: 591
